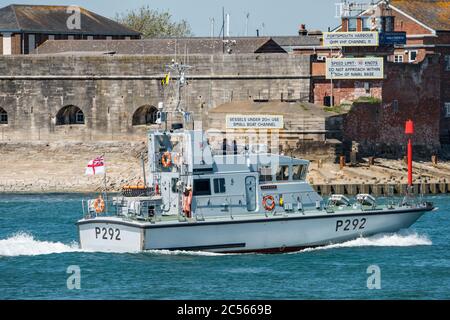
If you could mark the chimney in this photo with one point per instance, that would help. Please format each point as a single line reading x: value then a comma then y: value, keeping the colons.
x: 302, y: 30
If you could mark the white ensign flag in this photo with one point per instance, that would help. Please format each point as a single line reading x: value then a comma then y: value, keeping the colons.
x: 96, y: 166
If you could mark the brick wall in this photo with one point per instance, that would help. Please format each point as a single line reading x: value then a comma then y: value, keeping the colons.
x: 415, y: 88
x: 346, y: 91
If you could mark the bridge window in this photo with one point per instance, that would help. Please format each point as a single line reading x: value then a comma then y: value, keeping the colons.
x: 202, y: 187
x: 265, y: 174
x: 299, y: 172
x: 219, y: 185
x: 282, y: 173
x: 145, y: 115
x: 3, y: 116
x: 69, y: 115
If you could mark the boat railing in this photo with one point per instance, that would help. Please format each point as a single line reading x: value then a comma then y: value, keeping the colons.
x: 91, y: 211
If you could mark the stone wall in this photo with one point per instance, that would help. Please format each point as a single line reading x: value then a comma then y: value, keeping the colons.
x: 109, y: 89
x: 410, y: 91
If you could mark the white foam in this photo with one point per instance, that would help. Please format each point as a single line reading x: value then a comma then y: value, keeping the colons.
x: 381, y: 240
x: 24, y: 244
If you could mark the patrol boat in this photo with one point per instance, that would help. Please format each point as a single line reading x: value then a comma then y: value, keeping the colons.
x: 202, y: 198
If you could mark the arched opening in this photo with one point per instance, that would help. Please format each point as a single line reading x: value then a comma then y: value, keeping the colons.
x: 69, y: 115
x: 3, y: 116
x: 145, y: 115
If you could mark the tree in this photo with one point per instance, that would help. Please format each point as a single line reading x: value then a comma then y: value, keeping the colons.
x: 152, y: 23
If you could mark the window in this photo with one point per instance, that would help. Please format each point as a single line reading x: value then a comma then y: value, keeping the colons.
x: 282, y: 173
x: 3, y: 116
x: 265, y: 174
x: 145, y: 115
x: 297, y: 172
x: 395, y: 105
x: 398, y: 58
x: 202, y: 187
x: 447, y: 63
x: 447, y: 109
x: 366, y: 23
x: 412, y: 55
x: 367, y: 87
x: 219, y: 185
x: 79, y: 117
x: 174, y: 185
x: 352, y: 24
x: 69, y: 115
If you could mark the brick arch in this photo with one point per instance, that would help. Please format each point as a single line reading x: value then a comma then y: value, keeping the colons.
x: 3, y: 116
x: 145, y: 115
x: 69, y: 115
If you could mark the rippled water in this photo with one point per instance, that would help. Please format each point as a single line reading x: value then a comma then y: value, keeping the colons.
x: 38, y: 242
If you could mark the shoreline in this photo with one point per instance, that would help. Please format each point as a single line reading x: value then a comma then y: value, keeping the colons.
x: 54, y: 168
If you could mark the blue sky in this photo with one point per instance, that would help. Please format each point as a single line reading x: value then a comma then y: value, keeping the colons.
x: 280, y: 17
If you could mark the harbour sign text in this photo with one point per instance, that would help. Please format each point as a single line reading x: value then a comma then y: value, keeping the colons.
x: 254, y: 122
x: 354, y: 68
x: 350, y: 39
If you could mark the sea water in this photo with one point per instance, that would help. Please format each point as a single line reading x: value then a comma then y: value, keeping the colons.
x: 39, y: 253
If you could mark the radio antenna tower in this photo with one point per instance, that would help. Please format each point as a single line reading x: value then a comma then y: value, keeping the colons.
x: 180, y: 70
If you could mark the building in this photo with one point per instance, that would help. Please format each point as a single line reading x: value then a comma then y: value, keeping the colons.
x: 166, y: 46
x: 427, y: 27
x: 24, y: 27
x: 91, y: 97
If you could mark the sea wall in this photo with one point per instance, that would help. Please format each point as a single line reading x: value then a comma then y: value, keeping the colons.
x: 110, y: 89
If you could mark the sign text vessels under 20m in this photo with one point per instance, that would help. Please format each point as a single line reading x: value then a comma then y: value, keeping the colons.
x: 239, y: 121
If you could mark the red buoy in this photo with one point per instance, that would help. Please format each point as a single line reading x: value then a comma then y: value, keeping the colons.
x: 409, y: 130
x: 409, y: 127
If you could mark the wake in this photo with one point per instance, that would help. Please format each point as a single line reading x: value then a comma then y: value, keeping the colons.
x: 24, y: 244
x: 380, y: 240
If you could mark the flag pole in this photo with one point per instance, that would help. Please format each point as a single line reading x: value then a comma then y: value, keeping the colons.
x: 104, y: 184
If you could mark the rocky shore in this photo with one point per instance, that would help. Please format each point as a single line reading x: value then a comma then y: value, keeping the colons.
x: 60, y: 167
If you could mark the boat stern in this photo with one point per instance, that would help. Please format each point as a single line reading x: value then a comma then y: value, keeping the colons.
x: 110, y: 235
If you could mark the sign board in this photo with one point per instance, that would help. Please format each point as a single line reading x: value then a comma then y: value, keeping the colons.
x: 354, y: 68
x: 251, y: 121
x: 350, y: 39
x: 391, y: 38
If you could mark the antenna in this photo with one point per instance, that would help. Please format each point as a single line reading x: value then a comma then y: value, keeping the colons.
x: 228, y: 24
x: 223, y: 29
x: 211, y: 26
x: 247, y: 17
x: 180, y: 69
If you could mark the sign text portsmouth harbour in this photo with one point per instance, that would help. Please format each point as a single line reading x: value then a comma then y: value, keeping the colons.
x: 354, y: 68
x: 238, y: 121
x: 350, y: 39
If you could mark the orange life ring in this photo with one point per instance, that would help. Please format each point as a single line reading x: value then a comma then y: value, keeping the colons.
x: 166, y: 159
x: 99, y: 205
x: 266, y: 205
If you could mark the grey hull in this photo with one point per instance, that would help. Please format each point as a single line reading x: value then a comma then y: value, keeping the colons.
x: 274, y: 234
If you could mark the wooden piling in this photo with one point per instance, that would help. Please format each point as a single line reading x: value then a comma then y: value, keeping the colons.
x: 341, y: 162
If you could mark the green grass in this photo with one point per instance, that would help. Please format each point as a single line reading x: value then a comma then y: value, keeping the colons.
x: 370, y: 100
x: 335, y: 109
